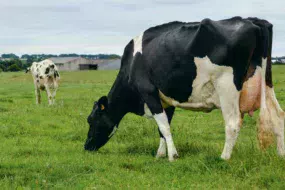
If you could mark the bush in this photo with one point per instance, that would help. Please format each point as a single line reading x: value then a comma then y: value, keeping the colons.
x: 14, y: 67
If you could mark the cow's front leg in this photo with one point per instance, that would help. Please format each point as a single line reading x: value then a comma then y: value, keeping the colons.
x: 150, y: 94
x: 38, y: 95
x: 229, y: 100
x: 49, y: 95
x: 53, y: 95
x: 161, y: 152
x: 164, y: 128
x: 153, y: 102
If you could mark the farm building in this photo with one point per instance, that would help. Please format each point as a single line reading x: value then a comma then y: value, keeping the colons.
x: 278, y: 60
x: 74, y: 63
x: 80, y: 63
x: 109, y: 64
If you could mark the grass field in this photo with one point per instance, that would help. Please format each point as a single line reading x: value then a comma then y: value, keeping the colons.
x: 42, y: 146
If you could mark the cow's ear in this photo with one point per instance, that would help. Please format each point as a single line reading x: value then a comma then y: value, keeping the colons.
x: 102, y: 103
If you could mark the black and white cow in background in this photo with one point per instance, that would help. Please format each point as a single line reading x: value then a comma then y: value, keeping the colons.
x: 197, y: 66
x: 46, y: 77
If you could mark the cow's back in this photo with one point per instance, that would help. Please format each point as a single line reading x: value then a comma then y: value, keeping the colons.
x: 168, y: 54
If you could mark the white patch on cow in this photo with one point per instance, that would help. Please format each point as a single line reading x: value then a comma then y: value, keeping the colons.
x: 138, y: 44
x: 113, y: 132
x: 263, y: 92
x: 162, y: 122
x: 264, y: 65
x: 204, y: 96
x: 147, y: 112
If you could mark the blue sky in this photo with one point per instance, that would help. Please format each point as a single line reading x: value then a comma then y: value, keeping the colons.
x: 106, y: 26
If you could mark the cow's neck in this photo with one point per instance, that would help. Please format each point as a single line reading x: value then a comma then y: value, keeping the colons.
x: 120, y: 99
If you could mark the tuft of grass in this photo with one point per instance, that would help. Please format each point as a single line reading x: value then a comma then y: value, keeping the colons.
x: 42, y: 146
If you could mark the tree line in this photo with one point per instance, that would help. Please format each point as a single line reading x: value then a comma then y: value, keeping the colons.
x: 11, y: 62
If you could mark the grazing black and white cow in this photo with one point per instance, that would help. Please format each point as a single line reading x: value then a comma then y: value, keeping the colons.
x: 46, y: 77
x: 197, y: 66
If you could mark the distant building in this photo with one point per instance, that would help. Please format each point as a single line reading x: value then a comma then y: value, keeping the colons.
x: 74, y: 63
x: 278, y: 60
x: 80, y: 63
x: 109, y: 64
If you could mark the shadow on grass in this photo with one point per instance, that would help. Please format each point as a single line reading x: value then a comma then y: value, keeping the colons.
x: 6, y: 100
x: 3, y: 110
x: 184, y: 150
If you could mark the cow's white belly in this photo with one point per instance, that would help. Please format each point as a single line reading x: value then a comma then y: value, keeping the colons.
x: 204, y: 96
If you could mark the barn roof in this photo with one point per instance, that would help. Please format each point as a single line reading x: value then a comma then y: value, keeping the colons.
x: 64, y: 59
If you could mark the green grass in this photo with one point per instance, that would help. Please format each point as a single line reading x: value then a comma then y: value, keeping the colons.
x: 42, y: 146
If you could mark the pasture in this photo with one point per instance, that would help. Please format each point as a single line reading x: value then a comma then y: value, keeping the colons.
x: 42, y: 146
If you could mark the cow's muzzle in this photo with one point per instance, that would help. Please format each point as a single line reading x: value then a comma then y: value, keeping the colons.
x: 90, y: 144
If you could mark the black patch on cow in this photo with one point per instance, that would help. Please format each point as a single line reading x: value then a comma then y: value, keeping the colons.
x: 56, y: 74
x: 51, y: 66
x: 41, y: 77
x: 38, y: 81
x: 42, y: 87
x: 47, y: 70
x: 37, y: 76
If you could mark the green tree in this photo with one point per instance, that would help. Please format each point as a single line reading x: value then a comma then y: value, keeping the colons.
x: 14, y: 68
x: 10, y: 56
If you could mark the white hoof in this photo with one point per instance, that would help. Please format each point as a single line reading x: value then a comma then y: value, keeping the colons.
x: 225, y: 156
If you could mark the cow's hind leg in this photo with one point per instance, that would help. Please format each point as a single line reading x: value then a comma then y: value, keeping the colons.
x: 271, y: 121
x: 49, y: 95
x: 161, y: 152
x: 229, y: 100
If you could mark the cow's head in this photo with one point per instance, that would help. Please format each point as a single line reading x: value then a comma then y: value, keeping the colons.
x: 101, y: 126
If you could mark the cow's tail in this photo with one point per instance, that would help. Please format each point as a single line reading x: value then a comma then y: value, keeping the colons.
x: 271, y: 118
